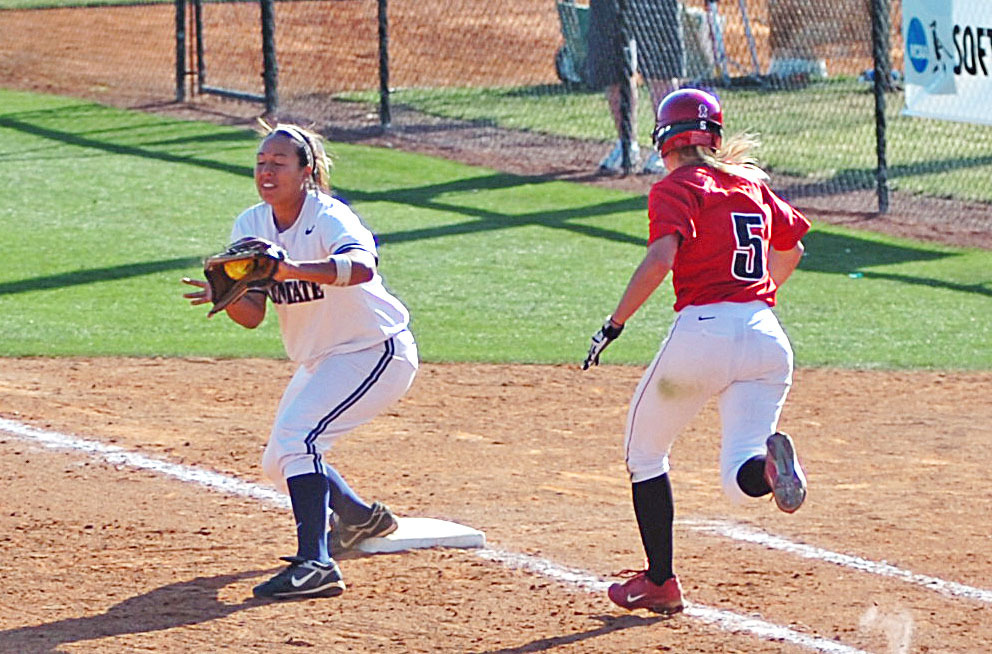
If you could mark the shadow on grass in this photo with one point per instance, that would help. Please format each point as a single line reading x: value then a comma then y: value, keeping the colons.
x: 825, y: 252
x: 9, y: 121
x: 981, y: 288
x: 418, y: 196
x: 829, y: 253
x: 484, y: 220
x: 94, y: 275
x: 846, y: 255
x: 864, y: 179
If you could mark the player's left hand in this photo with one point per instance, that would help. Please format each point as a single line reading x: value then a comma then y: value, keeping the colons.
x: 606, y: 335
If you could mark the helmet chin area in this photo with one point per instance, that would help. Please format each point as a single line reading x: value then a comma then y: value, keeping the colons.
x: 682, y: 135
x: 678, y: 143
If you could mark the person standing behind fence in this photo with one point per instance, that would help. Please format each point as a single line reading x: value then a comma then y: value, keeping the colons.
x: 656, y: 49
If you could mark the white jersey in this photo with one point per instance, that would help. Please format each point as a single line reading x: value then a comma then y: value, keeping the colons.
x: 317, y: 320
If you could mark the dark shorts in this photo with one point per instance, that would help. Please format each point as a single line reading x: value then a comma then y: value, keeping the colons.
x: 658, y: 48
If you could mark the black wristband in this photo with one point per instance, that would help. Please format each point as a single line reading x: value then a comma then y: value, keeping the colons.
x: 612, y: 329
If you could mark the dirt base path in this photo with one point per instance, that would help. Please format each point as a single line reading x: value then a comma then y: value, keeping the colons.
x: 99, y: 557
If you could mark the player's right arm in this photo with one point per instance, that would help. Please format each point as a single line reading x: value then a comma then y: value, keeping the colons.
x: 650, y: 273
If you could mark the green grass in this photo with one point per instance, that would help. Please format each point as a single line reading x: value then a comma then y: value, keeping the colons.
x: 825, y: 132
x: 106, y: 210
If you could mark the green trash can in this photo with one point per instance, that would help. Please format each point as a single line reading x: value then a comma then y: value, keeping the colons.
x: 570, y: 59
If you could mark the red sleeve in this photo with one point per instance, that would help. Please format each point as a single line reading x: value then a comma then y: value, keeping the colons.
x: 789, y: 225
x: 671, y: 209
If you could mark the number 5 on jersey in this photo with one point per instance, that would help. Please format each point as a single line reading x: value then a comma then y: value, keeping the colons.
x: 749, y: 253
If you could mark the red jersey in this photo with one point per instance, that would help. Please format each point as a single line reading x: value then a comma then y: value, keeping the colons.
x: 727, y: 224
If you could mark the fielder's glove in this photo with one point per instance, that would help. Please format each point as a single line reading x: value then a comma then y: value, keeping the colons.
x: 247, y: 264
x: 606, y: 335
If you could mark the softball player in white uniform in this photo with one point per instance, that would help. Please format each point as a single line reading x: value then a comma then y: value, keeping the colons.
x: 347, y: 333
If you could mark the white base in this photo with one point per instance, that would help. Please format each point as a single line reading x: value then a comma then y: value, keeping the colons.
x: 418, y: 533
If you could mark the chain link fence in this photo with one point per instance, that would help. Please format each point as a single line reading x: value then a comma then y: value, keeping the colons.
x: 508, y: 82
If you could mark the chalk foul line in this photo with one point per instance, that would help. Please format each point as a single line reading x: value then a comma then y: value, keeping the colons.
x: 579, y: 579
x: 752, y: 535
x: 119, y: 456
x: 726, y: 620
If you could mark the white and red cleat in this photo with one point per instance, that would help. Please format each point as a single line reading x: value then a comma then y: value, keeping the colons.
x: 639, y: 592
x: 784, y: 473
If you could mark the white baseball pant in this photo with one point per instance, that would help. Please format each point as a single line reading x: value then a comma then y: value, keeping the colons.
x: 736, y: 351
x: 331, y: 397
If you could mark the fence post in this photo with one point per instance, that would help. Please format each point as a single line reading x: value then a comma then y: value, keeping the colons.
x: 270, y: 74
x: 882, y: 83
x: 180, y: 50
x: 385, y: 117
x: 201, y: 69
x: 626, y: 101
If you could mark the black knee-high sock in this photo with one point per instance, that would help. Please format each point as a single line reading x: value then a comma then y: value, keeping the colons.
x: 309, y: 495
x: 344, y: 501
x: 655, y: 511
x: 751, y: 477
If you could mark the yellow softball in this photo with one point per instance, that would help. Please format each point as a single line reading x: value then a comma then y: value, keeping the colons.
x: 238, y: 268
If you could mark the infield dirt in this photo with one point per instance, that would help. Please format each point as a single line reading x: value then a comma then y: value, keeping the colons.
x: 103, y: 558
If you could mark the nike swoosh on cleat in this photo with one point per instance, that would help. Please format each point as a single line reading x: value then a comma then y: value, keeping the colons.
x: 633, y: 598
x: 707, y: 317
x: 297, y: 582
x: 307, y: 231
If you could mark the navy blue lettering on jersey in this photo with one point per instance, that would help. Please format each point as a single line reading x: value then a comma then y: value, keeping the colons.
x: 294, y: 291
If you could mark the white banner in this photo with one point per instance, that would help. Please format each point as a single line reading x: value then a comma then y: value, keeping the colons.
x: 948, y: 59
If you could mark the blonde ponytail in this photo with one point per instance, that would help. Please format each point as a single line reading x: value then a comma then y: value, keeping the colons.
x: 734, y: 157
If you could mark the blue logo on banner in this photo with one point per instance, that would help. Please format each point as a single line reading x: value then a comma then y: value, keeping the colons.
x: 916, y: 45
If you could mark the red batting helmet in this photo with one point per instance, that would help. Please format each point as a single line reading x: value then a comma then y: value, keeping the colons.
x: 688, y: 117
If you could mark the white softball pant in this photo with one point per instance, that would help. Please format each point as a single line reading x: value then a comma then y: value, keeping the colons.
x: 331, y: 397
x: 735, y: 351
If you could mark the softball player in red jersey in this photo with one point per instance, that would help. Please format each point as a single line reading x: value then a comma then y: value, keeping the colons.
x: 348, y: 335
x: 729, y: 243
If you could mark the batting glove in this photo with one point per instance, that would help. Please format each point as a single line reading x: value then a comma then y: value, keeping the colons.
x: 606, y: 335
